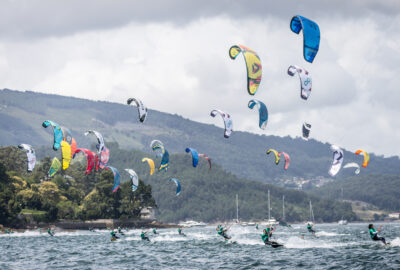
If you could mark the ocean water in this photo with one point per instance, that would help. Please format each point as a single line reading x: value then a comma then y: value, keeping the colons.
x: 333, y: 247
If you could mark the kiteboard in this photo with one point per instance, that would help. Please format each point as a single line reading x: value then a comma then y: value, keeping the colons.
x: 274, y: 244
x: 113, y: 239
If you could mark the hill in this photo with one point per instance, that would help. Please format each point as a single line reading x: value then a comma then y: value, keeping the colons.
x: 382, y: 191
x: 21, y: 115
x: 207, y: 195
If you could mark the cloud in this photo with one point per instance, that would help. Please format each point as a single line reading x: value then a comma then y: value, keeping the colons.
x: 184, y: 68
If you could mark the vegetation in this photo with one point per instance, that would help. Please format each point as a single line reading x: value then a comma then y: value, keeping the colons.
x: 21, y: 115
x: 207, y: 195
x: 382, y: 191
x: 72, y: 196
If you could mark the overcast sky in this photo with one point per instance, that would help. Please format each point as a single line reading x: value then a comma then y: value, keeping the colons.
x: 173, y: 55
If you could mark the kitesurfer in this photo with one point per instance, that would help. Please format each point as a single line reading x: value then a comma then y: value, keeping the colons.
x: 155, y: 231
x: 144, y: 236
x: 374, y: 233
x: 120, y: 231
x: 180, y: 232
x: 221, y: 231
x: 256, y: 226
x: 310, y: 227
x: 266, y: 235
x: 113, y: 235
x: 50, y: 232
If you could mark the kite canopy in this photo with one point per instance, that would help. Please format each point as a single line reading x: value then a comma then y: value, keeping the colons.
x: 253, y: 65
x: 134, y: 179
x: 277, y: 157
x: 90, y: 158
x: 366, y: 157
x: 30, y: 153
x: 163, y: 152
x: 306, y: 131
x: 142, y: 110
x: 55, y: 166
x: 287, y: 159
x: 151, y: 164
x: 206, y: 158
x: 58, y: 135
x: 262, y: 111
x: 178, y: 185
x: 100, y: 140
x: 305, y: 80
x: 337, y: 160
x: 227, y: 121
x: 311, y: 36
x: 195, y: 156
x: 66, y: 154
x: 353, y: 165
x: 116, y: 178
x: 104, y: 157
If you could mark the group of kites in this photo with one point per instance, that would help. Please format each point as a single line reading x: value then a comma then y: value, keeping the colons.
x: 98, y: 160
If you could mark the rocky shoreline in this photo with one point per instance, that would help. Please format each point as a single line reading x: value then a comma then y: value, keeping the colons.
x: 93, y: 224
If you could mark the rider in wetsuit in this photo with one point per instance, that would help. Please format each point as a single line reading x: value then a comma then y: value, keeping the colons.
x: 144, y: 236
x: 266, y: 235
x: 309, y: 227
x: 221, y: 231
x: 374, y: 234
x: 113, y: 235
x: 120, y: 231
x: 50, y: 232
x: 180, y: 232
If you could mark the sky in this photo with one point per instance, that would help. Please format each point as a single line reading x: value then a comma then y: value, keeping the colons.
x: 173, y: 55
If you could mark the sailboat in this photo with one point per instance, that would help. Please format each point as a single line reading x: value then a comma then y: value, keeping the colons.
x: 342, y: 221
x: 271, y: 221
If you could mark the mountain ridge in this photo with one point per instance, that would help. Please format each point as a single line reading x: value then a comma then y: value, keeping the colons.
x: 21, y: 115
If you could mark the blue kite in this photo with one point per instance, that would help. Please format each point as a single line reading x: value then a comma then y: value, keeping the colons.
x: 311, y: 36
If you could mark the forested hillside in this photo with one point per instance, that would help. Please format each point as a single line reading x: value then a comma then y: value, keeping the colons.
x: 382, y: 191
x: 207, y: 195
x: 72, y: 196
x: 21, y: 115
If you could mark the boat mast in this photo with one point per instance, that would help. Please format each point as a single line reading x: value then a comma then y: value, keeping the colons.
x: 269, y: 207
x: 283, y: 207
x: 237, y: 209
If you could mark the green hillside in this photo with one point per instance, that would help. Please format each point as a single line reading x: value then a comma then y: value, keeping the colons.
x: 207, y: 195
x: 382, y: 191
x: 21, y: 115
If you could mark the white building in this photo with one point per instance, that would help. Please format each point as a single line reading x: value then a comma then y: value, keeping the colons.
x: 147, y: 213
x: 394, y: 215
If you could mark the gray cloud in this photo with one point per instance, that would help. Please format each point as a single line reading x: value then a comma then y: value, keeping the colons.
x: 184, y: 67
x: 42, y: 18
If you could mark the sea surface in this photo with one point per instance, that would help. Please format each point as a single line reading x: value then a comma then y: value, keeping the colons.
x: 333, y: 247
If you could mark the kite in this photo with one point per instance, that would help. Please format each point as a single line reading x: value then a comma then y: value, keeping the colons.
x: 227, y: 121
x: 262, y: 110
x: 253, y: 64
x: 311, y: 36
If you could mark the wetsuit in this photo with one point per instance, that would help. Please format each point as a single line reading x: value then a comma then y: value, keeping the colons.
x: 180, y: 231
x: 113, y: 235
x: 144, y: 236
x: 222, y: 232
x: 257, y: 226
x: 310, y: 229
x: 374, y: 236
x: 265, y: 238
x: 120, y: 231
x: 154, y: 231
x: 50, y: 232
